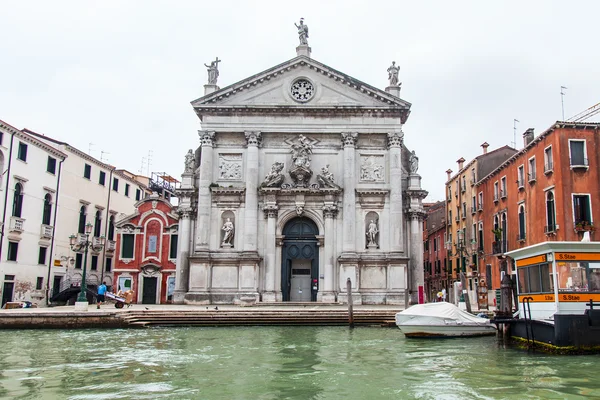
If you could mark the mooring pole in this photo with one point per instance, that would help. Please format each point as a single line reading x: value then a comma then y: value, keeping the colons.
x: 350, y: 311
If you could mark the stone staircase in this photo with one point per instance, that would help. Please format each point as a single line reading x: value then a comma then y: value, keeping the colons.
x: 257, y: 317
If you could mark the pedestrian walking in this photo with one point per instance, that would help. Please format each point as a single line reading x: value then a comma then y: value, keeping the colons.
x: 100, y: 295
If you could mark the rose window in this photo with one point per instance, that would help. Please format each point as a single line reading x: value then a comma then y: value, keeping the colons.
x: 302, y: 90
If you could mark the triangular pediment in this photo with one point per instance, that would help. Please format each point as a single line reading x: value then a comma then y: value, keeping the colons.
x: 275, y: 88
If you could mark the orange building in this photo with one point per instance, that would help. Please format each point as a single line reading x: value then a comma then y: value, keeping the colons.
x: 435, y: 262
x: 147, y: 250
x: 548, y: 191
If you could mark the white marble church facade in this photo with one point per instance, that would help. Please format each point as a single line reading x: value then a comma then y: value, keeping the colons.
x: 301, y: 182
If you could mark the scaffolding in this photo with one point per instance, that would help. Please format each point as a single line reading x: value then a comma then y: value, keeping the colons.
x: 164, y: 185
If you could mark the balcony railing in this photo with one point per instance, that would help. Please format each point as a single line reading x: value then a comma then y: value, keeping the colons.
x: 550, y: 228
x: 499, y: 247
x: 46, y: 231
x: 579, y: 162
x: 111, y: 245
x: 16, y: 224
x: 548, y: 167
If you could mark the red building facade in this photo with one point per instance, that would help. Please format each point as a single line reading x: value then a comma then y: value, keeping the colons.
x: 435, y: 262
x: 147, y: 251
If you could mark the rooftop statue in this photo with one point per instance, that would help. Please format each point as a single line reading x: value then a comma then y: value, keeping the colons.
x: 302, y: 32
x: 189, y: 162
x: 393, y: 74
x: 213, y: 71
x: 414, y: 162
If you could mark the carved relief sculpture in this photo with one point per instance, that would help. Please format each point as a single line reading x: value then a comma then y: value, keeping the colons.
x: 372, y: 231
x: 189, y: 162
x: 372, y: 170
x: 230, y: 166
x: 228, y: 232
x: 275, y: 177
x: 213, y: 71
x: 301, y: 152
x: 325, y: 178
x: 302, y: 32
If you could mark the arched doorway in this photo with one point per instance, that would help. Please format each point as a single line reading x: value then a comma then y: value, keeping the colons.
x: 300, y: 260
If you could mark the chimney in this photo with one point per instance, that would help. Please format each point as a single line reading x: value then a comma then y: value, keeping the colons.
x: 528, y: 137
x: 460, y: 162
x: 449, y: 172
x: 485, y: 145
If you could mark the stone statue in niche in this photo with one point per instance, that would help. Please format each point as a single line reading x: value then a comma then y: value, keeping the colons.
x: 372, y: 231
x: 414, y: 162
x: 371, y: 170
x: 275, y: 177
x: 301, y: 152
x: 325, y: 178
x: 189, y: 162
x: 302, y: 32
x: 213, y: 71
x: 228, y: 232
x: 393, y: 74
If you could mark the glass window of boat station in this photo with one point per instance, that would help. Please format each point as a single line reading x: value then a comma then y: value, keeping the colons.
x: 571, y: 277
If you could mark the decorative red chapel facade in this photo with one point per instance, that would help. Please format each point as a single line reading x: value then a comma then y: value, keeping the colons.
x: 147, y: 250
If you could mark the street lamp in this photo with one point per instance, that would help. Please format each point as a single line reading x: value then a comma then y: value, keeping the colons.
x: 82, y: 242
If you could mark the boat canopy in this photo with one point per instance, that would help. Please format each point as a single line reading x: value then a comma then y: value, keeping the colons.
x: 437, y: 314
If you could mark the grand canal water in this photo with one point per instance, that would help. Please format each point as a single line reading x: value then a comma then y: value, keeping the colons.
x: 280, y: 363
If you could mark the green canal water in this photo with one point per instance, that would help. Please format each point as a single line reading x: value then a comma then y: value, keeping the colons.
x: 280, y: 363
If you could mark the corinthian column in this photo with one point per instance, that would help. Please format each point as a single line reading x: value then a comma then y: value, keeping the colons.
x: 396, y: 214
x: 271, y: 212
x: 251, y: 212
x: 349, y: 234
x: 204, y: 181
x: 329, y: 212
x: 183, y: 252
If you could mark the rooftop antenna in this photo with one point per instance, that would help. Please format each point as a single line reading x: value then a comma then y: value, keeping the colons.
x: 515, y: 132
x: 141, y: 170
x: 90, y: 148
x: 149, y: 161
x: 562, y: 101
x: 102, y: 153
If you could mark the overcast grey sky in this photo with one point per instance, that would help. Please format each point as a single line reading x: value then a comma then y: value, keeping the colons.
x: 121, y: 74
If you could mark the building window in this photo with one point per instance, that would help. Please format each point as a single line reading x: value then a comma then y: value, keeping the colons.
x: 108, y: 264
x: 111, y: 228
x: 78, y: 260
x: 550, y: 213
x: 449, y: 216
x: 22, y: 152
x: 42, y: 255
x: 138, y: 194
x: 47, y: 212
x: 39, y: 284
x: 464, y: 209
x: 127, y: 189
x: 13, y: 249
x: 173, y: 247
x: 98, y: 224
x: 127, y: 246
x: 449, y: 191
x: 480, y: 241
x: 17, y: 201
x: 102, y: 178
x: 82, y: 218
x: 521, y: 176
x: 548, y: 162
x: 481, y: 200
x: 496, y: 191
x: 503, y: 187
x: 521, y: 235
x: 115, y: 184
x: 51, y: 166
x: 532, y: 169
x: 87, y: 171
x: 473, y: 176
x: 94, y: 266
x: 473, y: 204
x: 464, y: 183
x: 582, y: 209
x: 578, y: 153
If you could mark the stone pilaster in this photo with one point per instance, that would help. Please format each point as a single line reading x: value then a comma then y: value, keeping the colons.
x: 349, y: 214
x: 204, y: 181
x: 271, y: 212
x: 183, y: 251
x: 251, y: 201
x: 329, y: 213
x: 395, y: 222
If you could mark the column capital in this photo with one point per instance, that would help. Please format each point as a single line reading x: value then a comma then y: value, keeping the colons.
x: 416, y: 214
x: 330, y: 210
x: 185, y: 212
x: 253, y: 138
x: 395, y: 139
x: 349, y: 139
x: 206, y: 138
x: 271, y: 211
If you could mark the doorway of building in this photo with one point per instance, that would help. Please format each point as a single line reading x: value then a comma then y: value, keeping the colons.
x: 7, y: 292
x: 56, y: 285
x: 300, y: 261
x: 149, y: 290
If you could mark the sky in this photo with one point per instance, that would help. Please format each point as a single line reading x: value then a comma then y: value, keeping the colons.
x: 116, y: 78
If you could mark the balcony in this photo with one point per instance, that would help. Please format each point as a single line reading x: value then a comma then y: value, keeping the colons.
x: 16, y: 224
x: 550, y: 229
x: 111, y: 245
x: 579, y: 163
x: 480, y: 207
x: 495, y: 197
x: 521, y: 183
x: 456, y: 219
x: 499, y: 247
x: 548, y: 167
x: 583, y: 226
x: 531, y: 177
x: 46, y: 231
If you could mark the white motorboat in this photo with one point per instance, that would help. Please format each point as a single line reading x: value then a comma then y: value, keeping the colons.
x: 441, y: 320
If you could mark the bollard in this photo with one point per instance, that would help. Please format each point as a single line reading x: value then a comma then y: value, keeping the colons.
x: 350, y: 311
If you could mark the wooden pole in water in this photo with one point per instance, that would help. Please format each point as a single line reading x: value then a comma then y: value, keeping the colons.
x: 350, y: 311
